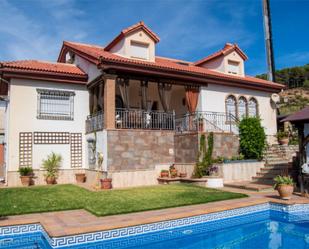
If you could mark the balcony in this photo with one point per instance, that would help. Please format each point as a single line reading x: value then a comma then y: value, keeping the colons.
x: 95, y: 122
x: 207, y: 122
x: 159, y: 120
x: 141, y: 119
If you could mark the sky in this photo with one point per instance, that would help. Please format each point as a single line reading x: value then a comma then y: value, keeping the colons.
x: 188, y: 29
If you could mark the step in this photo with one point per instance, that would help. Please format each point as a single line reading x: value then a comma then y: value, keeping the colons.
x: 276, y: 164
x: 250, y: 186
x: 263, y: 181
x: 267, y: 174
x: 271, y: 170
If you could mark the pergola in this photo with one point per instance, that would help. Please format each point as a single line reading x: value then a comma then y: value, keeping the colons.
x: 301, y: 121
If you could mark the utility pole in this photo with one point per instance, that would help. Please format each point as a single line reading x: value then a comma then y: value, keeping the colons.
x: 268, y: 41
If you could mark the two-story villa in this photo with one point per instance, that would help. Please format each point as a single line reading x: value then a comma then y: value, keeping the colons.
x: 142, y: 111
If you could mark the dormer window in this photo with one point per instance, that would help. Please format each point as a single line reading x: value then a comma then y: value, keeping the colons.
x: 233, y: 67
x: 139, y: 50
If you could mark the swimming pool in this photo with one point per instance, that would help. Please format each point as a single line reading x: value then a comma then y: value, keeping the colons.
x: 262, y: 226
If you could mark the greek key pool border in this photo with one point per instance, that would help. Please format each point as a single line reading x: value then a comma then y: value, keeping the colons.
x: 79, y: 239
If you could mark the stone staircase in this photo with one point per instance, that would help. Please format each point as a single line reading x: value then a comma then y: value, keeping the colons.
x: 278, y: 160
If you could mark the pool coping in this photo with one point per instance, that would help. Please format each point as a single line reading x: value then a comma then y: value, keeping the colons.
x: 117, y: 233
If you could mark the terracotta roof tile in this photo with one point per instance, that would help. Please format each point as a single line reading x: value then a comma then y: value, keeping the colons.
x: 42, y: 66
x: 98, y: 54
x: 126, y: 31
x: 302, y: 115
x: 228, y: 47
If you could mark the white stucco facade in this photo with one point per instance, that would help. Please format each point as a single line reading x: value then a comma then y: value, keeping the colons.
x: 213, y: 97
x: 22, y: 117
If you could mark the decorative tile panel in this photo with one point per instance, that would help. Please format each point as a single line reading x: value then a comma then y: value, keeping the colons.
x: 51, y: 137
x: 25, y: 149
x: 76, y: 150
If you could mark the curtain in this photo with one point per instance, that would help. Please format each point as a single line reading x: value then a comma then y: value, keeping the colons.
x: 101, y: 96
x: 165, y: 95
x: 192, y: 94
x: 144, y: 89
x: 91, y: 101
x: 123, y: 85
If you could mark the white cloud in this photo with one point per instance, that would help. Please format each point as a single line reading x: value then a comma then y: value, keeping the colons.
x: 25, y: 37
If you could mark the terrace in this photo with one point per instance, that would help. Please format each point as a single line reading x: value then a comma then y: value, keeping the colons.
x: 142, y: 104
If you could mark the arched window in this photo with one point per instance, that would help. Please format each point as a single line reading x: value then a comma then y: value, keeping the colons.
x: 253, y: 107
x: 231, y: 105
x: 242, y: 107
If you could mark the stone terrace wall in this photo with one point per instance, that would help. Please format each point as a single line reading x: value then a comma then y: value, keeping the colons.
x: 187, y: 146
x: 225, y: 145
x: 139, y: 149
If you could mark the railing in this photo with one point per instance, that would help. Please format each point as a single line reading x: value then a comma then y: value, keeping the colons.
x: 94, y: 122
x: 207, y: 122
x: 141, y: 119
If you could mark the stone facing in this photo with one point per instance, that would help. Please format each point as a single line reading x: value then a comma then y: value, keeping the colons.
x: 124, y: 232
x: 139, y: 149
x: 187, y: 146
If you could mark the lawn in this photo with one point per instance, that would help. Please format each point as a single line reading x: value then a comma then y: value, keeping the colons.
x: 15, y: 201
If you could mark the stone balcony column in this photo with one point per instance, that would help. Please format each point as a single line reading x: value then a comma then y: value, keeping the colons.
x: 109, y: 101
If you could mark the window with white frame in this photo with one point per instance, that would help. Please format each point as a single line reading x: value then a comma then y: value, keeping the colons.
x: 139, y: 50
x: 253, y: 107
x: 55, y: 104
x: 233, y: 67
x: 231, y: 105
x: 242, y: 107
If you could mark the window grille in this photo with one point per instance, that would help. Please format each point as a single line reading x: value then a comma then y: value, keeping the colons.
x: 242, y: 107
x: 231, y: 105
x: 54, y: 104
x: 253, y: 107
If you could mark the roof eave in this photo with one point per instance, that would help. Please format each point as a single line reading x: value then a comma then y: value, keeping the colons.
x: 107, y: 64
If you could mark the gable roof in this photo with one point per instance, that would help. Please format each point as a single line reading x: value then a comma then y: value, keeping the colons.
x: 42, y: 69
x: 98, y: 55
x: 300, y: 116
x: 131, y: 29
x: 225, y: 50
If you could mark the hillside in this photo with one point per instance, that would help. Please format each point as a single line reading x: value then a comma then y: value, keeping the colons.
x: 292, y: 77
x: 296, y: 96
x: 293, y: 100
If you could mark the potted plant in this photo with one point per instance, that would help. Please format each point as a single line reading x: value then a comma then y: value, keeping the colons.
x: 285, y: 186
x: 173, y: 171
x: 283, y: 137
x: 106, y: 183
x: 52, y: 165
x: 26, y: 174
x: 80, y: 177
x: 164, y: 173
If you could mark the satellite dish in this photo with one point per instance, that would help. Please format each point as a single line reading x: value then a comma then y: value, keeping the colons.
x: 275, y: 98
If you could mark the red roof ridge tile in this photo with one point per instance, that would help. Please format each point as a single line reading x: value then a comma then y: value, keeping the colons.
x: 226, y: 49
x: 130, y: 29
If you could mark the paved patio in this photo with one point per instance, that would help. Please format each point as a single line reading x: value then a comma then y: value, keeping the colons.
x: 65, y: 223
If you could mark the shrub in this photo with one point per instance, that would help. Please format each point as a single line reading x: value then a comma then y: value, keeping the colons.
x: 252, y: 138
x: 25, y: 171
x: 52, y: 165
x: 282, y: 134
x: 204, y: 159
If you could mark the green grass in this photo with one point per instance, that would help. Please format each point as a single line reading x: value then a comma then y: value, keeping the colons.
x: 15, y: 201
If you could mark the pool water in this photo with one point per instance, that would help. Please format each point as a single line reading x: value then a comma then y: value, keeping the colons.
x: 266, y: 229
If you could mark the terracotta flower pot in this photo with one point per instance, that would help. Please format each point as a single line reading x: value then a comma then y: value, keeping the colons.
x: 26, y: 180
x: 285, y: 191
x: 106, y: 183
x: 173, y: 173
x: 80, y: 177
x: 284, y: 141
x: 50, y: 180
x: 182, y: 175
x: 164, y: 174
